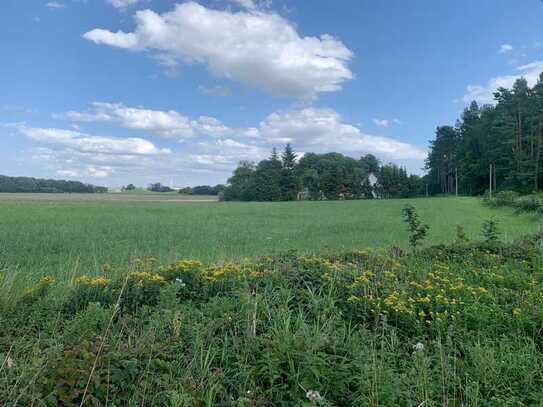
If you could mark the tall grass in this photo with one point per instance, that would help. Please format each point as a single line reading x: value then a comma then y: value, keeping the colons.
x: 66, y: 239
x: 339, y: 329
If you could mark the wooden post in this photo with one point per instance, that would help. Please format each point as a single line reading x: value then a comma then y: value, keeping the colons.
x: 490, y: 181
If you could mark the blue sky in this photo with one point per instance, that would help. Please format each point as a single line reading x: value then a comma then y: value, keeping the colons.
x: 119, y: 91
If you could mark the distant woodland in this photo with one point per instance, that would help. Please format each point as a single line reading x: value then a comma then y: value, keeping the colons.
x: 38, y: 185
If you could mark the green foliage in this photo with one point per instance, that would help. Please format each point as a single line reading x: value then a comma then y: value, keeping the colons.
x: 158, y: 187
x: 417, y: 230
x: 38, y: 185
x: 461, y: 236
x: 507, y: 136
x: 345, y: 328
x: 490, y: 230
x: 330, y: 176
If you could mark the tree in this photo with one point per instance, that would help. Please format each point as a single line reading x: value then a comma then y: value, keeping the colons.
x: 288, y: 182
x: 39, y: 185
x: 241, y: 186
x: 158, y: 187
x: 506, y: 137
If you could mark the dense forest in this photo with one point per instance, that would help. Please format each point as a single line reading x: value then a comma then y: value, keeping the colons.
x: 28, y: 184
x: 319, y: 176
x: 492, y: 146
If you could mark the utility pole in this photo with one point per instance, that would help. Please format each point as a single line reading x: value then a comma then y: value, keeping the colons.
x: 491, y: 181
x: 456, y: 183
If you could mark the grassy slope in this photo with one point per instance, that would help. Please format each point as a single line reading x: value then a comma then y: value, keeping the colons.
x: 63, y: 239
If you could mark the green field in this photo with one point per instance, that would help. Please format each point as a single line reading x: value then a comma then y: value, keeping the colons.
x: 67, y: 235
x: 454, y: 325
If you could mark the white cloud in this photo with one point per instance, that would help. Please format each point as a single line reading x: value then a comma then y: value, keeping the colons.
x: 485, y: 93
x: 55, y: 5
x: 163, y: 123
x: 217, y: 90
x: 212, y: 148
x: 169, y: 124
x: 85, y: 143
x: 505, y: 49
x: 386, y: 123
x: 258, y: 48
x: 382, y: 122
x: 323, y: 130
x: 122, y: 3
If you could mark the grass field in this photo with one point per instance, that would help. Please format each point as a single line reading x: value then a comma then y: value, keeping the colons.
x: 453, y: 325
x: 67, y: 235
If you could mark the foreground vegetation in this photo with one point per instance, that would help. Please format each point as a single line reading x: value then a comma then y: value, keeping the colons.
x: 449, y: 325
x: 64, y: 239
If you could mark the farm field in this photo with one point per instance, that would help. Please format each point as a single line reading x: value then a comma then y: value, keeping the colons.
x: 67, y: 235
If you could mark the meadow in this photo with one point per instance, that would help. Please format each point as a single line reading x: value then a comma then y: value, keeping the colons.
x: 65, y: 235
x: 124, y: 303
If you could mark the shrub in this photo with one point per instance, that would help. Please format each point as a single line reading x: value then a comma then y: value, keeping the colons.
x: 417, y: 230
x: 490, y: 231
x: 529, y: 203
x: 505, y: 198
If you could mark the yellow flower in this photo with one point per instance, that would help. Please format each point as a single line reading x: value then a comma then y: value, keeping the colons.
x: 45, y: 281
x: 185, y: 265
x: 516, y: 311
x: 93, y: 281
x: 146, y: 276
x: 353, y: 299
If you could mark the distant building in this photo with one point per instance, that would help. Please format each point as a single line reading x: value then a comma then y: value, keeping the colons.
x: 373, y: 182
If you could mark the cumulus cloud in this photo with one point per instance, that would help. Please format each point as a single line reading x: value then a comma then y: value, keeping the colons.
x: 485, y: 93
x: 505, y: 49
x: 214, y: 148
x: 85, y: 143
x: 169, y: 124
x: 323, y: 130
x: 163, y: 123
x: 258, y: 48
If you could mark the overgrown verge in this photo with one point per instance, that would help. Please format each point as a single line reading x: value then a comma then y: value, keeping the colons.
x: 448, y: 325
x: 521, y: 203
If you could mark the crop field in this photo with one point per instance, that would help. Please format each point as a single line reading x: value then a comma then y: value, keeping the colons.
x: 69, y: 234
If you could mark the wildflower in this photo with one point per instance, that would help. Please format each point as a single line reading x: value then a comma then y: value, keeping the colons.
x: 313, y: 395
x: 10, y: 364
x: 47, y: 280
x: 516, y: 311
x: 418, y: 347
x: 92, y: 281
x: 146, y: 276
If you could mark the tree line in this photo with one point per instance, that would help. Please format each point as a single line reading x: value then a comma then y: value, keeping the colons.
x: 496, y: 147
x: 328, y: 176
x: 38, y: 185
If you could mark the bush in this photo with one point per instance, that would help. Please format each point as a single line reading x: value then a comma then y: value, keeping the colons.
x: 529, y: 203
x: 505, y: 198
